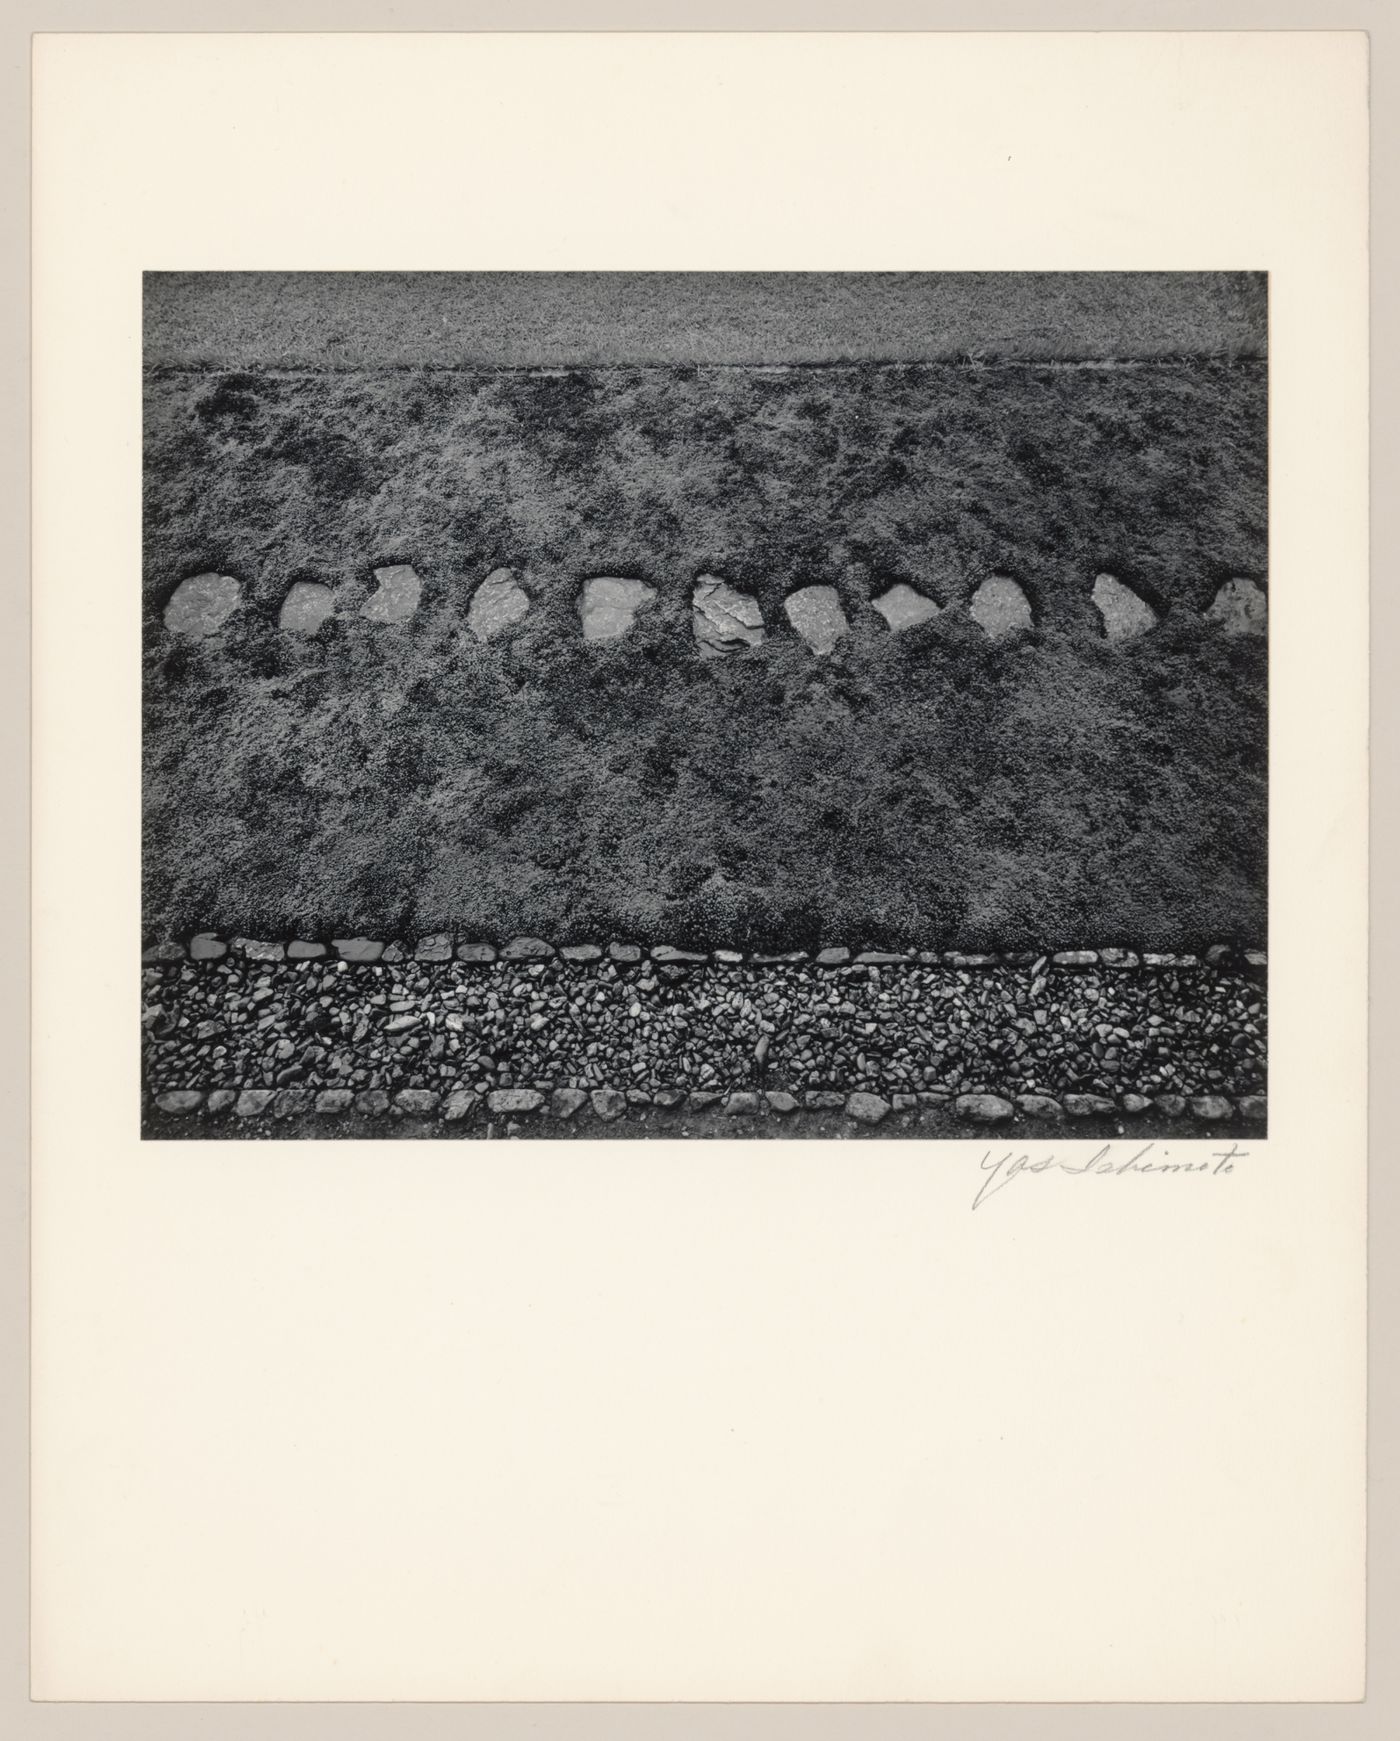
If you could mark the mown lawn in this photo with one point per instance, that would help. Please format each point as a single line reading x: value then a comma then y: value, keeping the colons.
x: 927, y: 788
x: 407, y: 319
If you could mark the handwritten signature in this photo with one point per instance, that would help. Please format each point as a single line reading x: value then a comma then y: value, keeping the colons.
x: 1002, y: 1169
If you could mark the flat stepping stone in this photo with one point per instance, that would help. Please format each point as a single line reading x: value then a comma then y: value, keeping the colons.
x: 498, y: 603
x: 306, y: 607
x: 902, y: 607
x: 1124, y: 613
x: 1000, y: 608
x: 815, y: 612
x: 609, y: 606
x: 399, y: 590
x: 202, y: 604
x: 1240, y: 608
x: 724, y: 618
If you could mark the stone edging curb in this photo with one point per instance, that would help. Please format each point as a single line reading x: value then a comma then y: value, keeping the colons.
x: 443, y: 946
x: 609, y: 1104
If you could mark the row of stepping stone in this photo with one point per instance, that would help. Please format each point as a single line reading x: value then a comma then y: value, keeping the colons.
x: 724, y: 618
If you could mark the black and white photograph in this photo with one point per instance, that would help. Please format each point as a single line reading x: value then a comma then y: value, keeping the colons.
x: 601, y: 705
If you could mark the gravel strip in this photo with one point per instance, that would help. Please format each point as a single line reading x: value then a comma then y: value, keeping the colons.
x: 889, y: 1029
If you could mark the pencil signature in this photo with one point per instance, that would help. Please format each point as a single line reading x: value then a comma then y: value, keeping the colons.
x: 1002, y: 1169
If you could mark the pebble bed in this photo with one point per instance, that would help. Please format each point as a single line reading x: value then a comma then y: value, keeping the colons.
x: 1089, y: 1031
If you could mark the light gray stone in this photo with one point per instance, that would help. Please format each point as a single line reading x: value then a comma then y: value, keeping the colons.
x: 1240, y: 608
x: 289, y: 1102
x: 1076, y: 958
x: 816, y: 613
x: 219, y: 1101
x: 306, y: 607
x: 1254, y: 1107
x: 372, y: 1103
x: 207, y: 946
x: 625, y: 952
x: 724, y: 618
x: 867, y: 1108
x: 902, y: 607
x: 416, y: 1102
x: 1124, y: 613
x: 833, y: 957
x: 581, y: 952
x: 1088, y: 1106
x: 609, y: 605
x: 565, y: 1102
x: 501, y: 1100
x: 458, y: 1104
x: 334, y: 1101
x: 1135, y: 1103
x: 252, y: 949
x: 357, y: 948
x: 477, y: 952
x: 743, y: 1103
x: 300, y: 950
x: 983, y: 1108
x: 1210, y: 1108
x: 669, y: 952
x: 825, y: 1100
x: 202, y: 605
x: 781, y: 1102
x: 527, y: 949
x: 497, y: 605
x: 1039, y: 1106
x: 610, y: 1103
x: 1000, y: 608
x: 253, y: 1102
x: 967, y: 961
x: 164, y: 952
x: 179, y: 1102
x: 1118, y: 958
x: 1171, y: 1105
x: 396, y: 597
x: 437, y: 947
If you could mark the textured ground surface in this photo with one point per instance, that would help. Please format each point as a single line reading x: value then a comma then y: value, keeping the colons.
x: 400, y: 320
x: 713, y: 1028
x: 928, y: 787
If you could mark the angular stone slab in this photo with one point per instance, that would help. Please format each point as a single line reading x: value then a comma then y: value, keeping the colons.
x: 1240, y: 608
x: 202, y: 604
x: 399, y: 590
x: 1000, y: 608
x: 815, y: 612
x: 724, y: 618
x: 1124, y: 613
x: 609, y: 606
x: 305, y: 607
x: 497, y: 605
x: 902, y: 607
